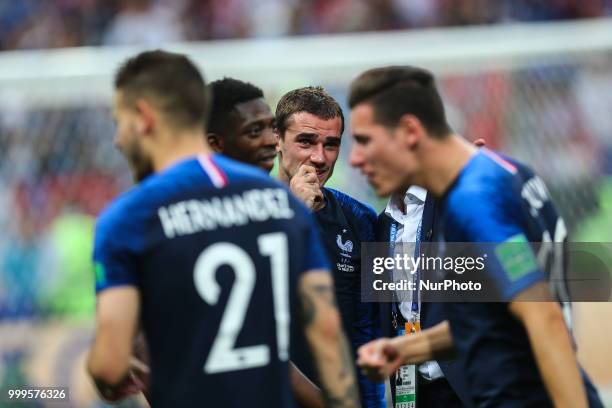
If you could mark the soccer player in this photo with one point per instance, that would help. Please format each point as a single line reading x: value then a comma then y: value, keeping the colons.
x: 212, y: 257
x: 410, y: 217
x: 310, y: 124
x: 241, y: 123
x: 241, y: 126
x: 513, y: 353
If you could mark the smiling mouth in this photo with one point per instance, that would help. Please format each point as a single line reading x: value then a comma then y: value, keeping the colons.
x: 267, y: 158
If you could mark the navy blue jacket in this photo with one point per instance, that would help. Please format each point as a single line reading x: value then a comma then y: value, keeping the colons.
x: 344, y: 224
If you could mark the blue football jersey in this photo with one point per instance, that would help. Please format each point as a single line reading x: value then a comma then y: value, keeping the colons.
x: 344, y: 224
x: 498, y: 200
x: 216, y: 249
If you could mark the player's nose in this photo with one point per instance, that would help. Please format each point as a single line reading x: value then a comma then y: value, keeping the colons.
x: 269, y: 138
x: 317, y: 156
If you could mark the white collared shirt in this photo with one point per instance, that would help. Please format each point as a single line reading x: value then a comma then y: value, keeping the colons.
x: 407, y: 212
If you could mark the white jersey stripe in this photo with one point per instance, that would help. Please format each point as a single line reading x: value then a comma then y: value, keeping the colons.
x: 214, y: 173
x: 500, y: 160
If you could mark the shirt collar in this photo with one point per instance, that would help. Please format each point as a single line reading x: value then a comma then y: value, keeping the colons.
x: 417, y: 192
x: 396, y: 207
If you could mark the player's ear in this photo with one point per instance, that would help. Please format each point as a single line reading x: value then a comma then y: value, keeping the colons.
x: 215, y: 142
x: 410, y: 130
x: 280, y: 141
x: 146, y: 117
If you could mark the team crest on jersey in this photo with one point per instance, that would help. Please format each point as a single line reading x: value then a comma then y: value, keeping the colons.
x: 346, y: 253
x: 346, y: 246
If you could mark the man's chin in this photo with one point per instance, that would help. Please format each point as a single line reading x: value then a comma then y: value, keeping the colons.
x: 382, y: 190
x: 383, y: 193
x: 266, y: 165
x: 323, y: 178
x: 141, y: 166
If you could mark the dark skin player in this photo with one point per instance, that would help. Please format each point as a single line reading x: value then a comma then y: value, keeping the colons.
x: 242, y: 124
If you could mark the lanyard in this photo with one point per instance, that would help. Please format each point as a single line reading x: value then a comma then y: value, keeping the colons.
x: 416, y: 296
x: 415, y: 304
x: 392, y: 237
x: 406, y: 375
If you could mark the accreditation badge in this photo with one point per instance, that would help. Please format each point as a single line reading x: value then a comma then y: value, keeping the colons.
x: 406, y: 376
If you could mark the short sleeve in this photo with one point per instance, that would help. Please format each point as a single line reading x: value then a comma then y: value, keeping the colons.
x: 492, y: 226
x: 113, y: 260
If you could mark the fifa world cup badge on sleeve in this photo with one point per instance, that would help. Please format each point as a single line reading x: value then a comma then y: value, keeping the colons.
x: 406, y: 376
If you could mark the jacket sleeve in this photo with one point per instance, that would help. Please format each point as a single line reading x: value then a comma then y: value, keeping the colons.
x: 366, y: 326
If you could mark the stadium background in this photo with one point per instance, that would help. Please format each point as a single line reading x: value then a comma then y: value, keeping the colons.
x: 533, y: 78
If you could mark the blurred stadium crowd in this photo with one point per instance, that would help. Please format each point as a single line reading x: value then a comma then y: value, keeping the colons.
x: 28, y: 24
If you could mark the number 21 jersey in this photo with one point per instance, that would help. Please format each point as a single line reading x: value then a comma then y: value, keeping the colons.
x: 216, y: 249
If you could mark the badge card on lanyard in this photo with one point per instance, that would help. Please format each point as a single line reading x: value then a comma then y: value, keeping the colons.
x: 405, y: 381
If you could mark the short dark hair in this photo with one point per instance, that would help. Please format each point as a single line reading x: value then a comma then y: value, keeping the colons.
x: 173, y: 82
x: 311, y: 99
x: 227, y: 93
x: 397, y: 90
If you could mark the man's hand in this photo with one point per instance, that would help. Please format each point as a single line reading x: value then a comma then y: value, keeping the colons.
x: 305, y: 185
x: 139, y: 364
x: 135, y: 382
x: 379, y: 359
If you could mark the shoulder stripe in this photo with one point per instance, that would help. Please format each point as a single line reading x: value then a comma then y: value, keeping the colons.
x: 216, y: 175
x: 500, y: 160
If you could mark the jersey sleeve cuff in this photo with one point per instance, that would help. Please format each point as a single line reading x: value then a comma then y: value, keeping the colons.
x: 522, y: 284
x: 109, y: 285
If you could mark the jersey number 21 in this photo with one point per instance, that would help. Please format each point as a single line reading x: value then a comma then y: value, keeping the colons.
x: 223, y: 355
